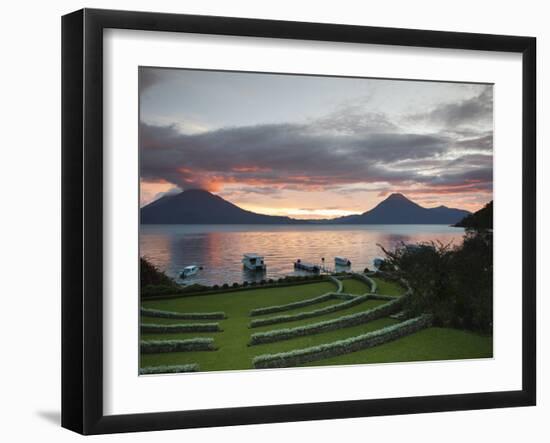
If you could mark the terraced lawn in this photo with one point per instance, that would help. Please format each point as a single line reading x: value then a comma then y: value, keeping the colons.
x: 353, y: 286
x: 369, y: 304
x: 234, y: 353
x: 388, y: 287
x: 429, y: 344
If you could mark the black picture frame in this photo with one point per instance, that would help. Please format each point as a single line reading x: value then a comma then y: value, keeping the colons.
x: 82, y: 218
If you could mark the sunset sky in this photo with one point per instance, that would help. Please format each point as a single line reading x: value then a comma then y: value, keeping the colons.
x: 314, y: 147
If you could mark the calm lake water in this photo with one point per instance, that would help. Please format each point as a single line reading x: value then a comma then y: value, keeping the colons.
x: 220, y: 248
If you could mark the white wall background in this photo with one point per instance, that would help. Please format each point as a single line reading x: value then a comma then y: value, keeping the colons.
x: 30, y: 224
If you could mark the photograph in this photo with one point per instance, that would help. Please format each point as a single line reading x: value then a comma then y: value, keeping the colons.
x: 291, y: 220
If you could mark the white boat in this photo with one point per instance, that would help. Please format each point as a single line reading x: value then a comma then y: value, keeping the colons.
x: 253, y: 262
x: 189, y: 270
x: 342, y: 261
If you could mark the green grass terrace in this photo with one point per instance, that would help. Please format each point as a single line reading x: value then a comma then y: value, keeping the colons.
x: 314, y: 321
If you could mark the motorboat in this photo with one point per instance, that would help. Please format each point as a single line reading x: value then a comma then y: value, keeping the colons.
x: 253, y: 262
x: 342, y: 261
x: 189, y: 271
x: 310, y: 267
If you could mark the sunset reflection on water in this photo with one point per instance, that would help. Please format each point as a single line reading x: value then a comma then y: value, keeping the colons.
x: 220, y: 248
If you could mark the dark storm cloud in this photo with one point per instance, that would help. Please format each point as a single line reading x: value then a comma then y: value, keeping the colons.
x: 346, y: 147
x: 285, y: 155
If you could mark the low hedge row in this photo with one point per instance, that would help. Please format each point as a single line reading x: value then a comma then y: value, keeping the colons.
x: 383, y: 297
x: 164, y: 294
x: 338, y: 283
x: 346, y: 346
x: 183, y: 315
x: 169, y: 369
x: 365, y: 279
x: 345, y: 321
x: 193, y: 327
x: 191, y: 344
x: 309, y: 314
x: 293, y: 305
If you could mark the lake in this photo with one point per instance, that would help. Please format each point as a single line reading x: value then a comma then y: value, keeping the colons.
x: 220, y: 248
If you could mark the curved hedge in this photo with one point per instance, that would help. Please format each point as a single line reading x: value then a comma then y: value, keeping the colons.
x: 192, y: 344
x: 169, y: 369
x: 345, y: 321
x: 293, y: 305
x: 183, y: 315
x: 365, y: 279
x: 310, y: 314
x: 338, y: 283
x: 346, y: 346
x: 197, y: 327
x: 383, y: 297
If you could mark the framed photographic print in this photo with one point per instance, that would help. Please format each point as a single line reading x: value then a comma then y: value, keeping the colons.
x: 269, y: 221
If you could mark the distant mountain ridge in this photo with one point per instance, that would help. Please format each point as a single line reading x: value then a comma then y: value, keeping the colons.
x: 197, y: 206
x: 399, y: 210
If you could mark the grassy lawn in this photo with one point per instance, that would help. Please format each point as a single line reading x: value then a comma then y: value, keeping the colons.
x: 388, y: 287
x: 353, y: 286
x: 429, y: 344
x: 234, y: 353
x: 354, y: 309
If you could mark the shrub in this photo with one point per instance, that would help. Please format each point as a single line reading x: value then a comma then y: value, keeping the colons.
x: 346, y: 346
x: 253, y: 283
x: 225, y: 286
x: 153, y: 290
x: 309, y: 314
x: 216, y: 287
x: 345, y: 321
x: 191, y: 344
x: 235, y: 285
x: 164, y: 328
x: 150, y: 275
x: 183, y: 315
x: 270, y: 281
x: 245, y: 284
x: 454, y: 284
x: 169, y: 369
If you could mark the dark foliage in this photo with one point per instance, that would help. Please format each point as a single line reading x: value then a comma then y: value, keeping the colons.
x: 150, y: 275
x: 455, y: 284
x: 158, y: 290
x: 482, y: 219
